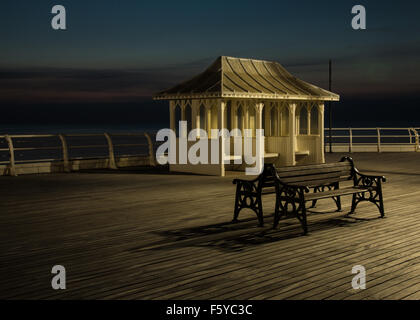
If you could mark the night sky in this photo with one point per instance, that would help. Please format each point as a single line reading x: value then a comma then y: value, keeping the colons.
x: 115, y: 54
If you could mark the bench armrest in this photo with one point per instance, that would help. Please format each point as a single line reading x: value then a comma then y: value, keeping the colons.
x: 369, y: 176
x: 247, y: 186
x: 381, y: 178
x: 360, y: 179
x: 365, y: 180
x: 237, y: 181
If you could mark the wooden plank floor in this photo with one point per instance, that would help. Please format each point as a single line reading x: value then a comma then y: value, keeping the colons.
x: 136, y: 234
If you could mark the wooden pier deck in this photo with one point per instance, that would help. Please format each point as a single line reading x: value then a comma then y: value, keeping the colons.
x: 136, y: 234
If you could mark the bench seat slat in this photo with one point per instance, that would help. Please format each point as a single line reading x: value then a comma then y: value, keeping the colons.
x: 284, y: 174
x: 320, y: 182
x: 313, y: 166
x: 321, y: 176
x: 308, y: 183
x: 334, y: 193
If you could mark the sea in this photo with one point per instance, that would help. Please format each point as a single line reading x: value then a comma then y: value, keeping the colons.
x: 150, y: 116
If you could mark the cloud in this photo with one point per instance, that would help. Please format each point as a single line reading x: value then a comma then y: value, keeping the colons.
x: 379, y: 69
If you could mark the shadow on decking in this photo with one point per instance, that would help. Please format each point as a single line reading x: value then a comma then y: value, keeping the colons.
x: 245, y: 234
x: 160, y: 170
x: 132, y: 170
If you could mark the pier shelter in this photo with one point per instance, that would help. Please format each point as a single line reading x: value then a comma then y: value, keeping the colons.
x: 237, y: 93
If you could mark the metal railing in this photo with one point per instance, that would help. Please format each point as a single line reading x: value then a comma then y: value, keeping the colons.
x: 343, y: 140
x: 63, y: 147
x: 373, y: 140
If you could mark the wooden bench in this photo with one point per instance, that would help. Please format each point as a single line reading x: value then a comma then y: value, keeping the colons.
x: 296, y: 185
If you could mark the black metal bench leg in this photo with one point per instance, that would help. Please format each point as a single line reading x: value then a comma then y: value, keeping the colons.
x: 276, y: 214
x: 302, y: 218
x: 314, y: 201
x: 338, y: 198
x: 381, y: 202
x: 353, y: 203
x: 237, y: 207
x: 381, y: 208
x: 259, y: 212
x: 248, y: 200
x: 236, y: 214
x: 338, y: 203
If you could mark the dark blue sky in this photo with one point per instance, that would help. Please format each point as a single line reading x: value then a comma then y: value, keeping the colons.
x: 119, y: 51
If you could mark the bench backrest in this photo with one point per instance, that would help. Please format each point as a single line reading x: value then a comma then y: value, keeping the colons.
x: 309, y: 175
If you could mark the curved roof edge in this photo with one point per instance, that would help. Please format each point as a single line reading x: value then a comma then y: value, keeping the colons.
x: 230, y: 77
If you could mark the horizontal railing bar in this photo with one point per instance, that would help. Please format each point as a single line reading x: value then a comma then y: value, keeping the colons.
x: 30, y: 136
x: 75, y: 147
x: 40, y: 160
x: 130, y: 144
x: 126, y: 134
x: 327, y: 129
x: 84, y: 135
x: 373, y: 143
x: 372, y: 136
x: 37, y: 148
x: 88, y: 146
x: 75, y: 158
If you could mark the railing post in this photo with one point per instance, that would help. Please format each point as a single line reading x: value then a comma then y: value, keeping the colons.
x: 378, y: 131
x: 152, y: 160
x: 12, y: 167
x: 351, y: 140
x: 417, y: 146
x: 66, y: 163
x: 325, y: 145
x: 112, y: 164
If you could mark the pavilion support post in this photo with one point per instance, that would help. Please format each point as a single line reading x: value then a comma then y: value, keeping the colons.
x: 195, y: 108
x: 308, y: 117
x: 321, y: 131
x: 195, y: 116
x: 208, y: 118
x: 280, y: 130
x: 259, y: 108
x: 183, y: 133
x: 183, y: 110
x: 243, y: 118
x: 258, y: 114
x: 172, y: 115
x: 292, y: 135
x: 267, y: 121
x: 246, y: 117
x: 234, y: 115
x: 220, y: 122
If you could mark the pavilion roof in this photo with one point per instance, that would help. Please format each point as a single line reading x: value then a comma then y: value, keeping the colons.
x: 230, y: 77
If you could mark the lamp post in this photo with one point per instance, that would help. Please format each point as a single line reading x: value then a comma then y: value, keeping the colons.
x: 329, y: 108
